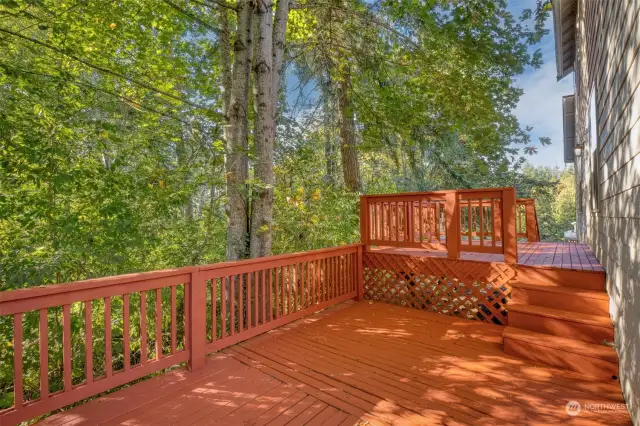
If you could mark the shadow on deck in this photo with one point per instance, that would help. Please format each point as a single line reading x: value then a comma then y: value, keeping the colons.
x: 361, y: 363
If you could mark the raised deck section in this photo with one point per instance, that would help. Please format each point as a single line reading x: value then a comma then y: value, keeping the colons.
x: 356, y: 363
x: 551, y: 254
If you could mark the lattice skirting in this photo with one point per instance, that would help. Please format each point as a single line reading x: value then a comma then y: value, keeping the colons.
x: 468, y: 289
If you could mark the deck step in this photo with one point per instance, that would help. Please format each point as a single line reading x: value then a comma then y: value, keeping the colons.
x: 585, y: 280
x: 557, y: 322
x: 564, y: 298
x: 590, y: 359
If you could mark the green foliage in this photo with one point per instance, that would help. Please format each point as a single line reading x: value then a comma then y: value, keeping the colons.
x: 554, y: 192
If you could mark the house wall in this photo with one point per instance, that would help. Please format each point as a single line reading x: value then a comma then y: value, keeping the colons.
x: 608, y: 171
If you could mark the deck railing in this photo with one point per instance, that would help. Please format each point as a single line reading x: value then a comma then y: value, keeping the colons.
x: 163, y: 318
x: 72, y: 341
x: 527, y: 220
x: 473, y: 220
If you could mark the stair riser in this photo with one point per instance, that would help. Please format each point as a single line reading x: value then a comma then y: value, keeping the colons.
x: 567, y: 302
x: 584, y: 280
x: 556, y: 327
x: 596, y: 368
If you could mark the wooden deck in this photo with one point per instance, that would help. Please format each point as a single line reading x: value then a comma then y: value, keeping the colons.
x: 360, y: 363
x: 553, y: 254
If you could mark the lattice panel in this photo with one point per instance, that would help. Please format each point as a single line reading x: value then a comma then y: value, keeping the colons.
x: 473, y: 290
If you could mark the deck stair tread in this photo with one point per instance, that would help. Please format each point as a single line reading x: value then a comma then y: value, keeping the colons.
x: 593, y: 294
x: 602, y: 352
x: 596, y: 320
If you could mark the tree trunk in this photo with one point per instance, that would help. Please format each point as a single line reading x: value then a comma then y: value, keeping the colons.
x: 331, y: 165
x: 236, y: 136
x: 225, y: 60
x: 279, y: 34
x: 350, y: 166
x: 262, y: 194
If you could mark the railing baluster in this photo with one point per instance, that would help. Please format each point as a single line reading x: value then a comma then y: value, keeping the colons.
x: 340, y: 282
x: 421, y: 219
x: 296, y: 286
x: 249, y: 282
x: 307, y: 285
x: 470, y: 221
x: 126, y: 338
x: 330, y: 280
x: 345, y: 273
x: 351, y: 273
x: 66, y: 346
x: 107, y: 337
x: 304, y: 281
x: 256, y: 297
x: 481, y: 211
x: 340, y: 275
x: 88, y: 342
x: 242, y: 319
x: 374, y: 234
x: 336, y: 276
x: 174, y: 319
x: 325, y: 279
x: 44, y: 354
x: 327, y: 274
x: 289, y: 289
x: 263, y: 279
x: 297, y: 280
x: 158, y: 323
x: 18, y: 397
x: 187, y: 315
x: 232, y: 307
x: 314, y: 271
x: 224, y: 283
x: 343, y: 285
x: 396, y: 221
x: 214, y: 306
x: 320, y: 279
x: 336, y: 282
x: 279, y: 277
x: 143, y: 327
x: 276, y: 292
x: 493, y: 222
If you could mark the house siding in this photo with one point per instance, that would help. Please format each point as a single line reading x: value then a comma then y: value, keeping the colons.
x: 608, y: 171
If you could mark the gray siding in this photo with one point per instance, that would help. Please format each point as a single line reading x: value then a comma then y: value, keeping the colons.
x: 608, y: 59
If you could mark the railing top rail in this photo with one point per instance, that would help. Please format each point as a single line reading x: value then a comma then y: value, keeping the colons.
x: 273, y: 259
x: 93, y: 283
x: 439, y: 192
x: 98, y: 284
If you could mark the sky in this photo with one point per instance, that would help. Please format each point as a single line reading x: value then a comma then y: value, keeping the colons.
x: 541, y: 104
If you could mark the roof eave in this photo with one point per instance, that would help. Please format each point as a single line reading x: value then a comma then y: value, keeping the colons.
x: 563, y: 15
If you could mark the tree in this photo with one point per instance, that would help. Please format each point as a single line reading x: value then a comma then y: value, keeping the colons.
x: 237, y: 135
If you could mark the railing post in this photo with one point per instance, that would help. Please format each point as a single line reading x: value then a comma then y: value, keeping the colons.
x: 498, y: 218
x: 452, y: 216
x: 359, y: 273
x: 364, y: 220
x: 197, y: 320
x: 531, y: 221
x: 510, y: 239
